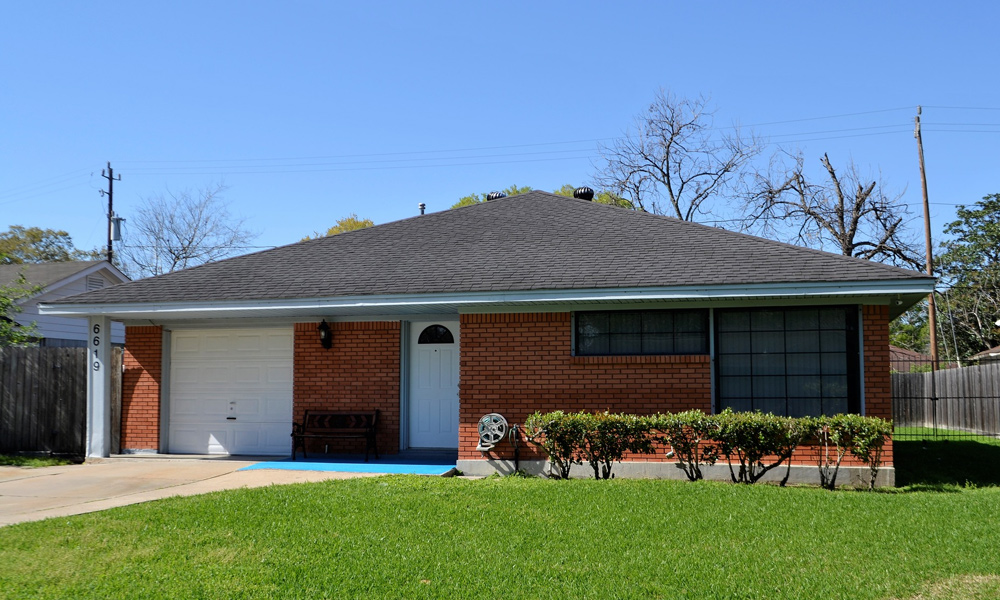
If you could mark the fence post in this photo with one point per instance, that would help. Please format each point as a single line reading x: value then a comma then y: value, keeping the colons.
x: 99, y: 388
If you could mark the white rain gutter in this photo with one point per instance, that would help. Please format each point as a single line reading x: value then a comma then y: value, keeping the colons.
x: 220, y: 308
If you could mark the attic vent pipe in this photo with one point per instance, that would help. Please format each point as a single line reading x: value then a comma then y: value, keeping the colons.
x: 421, y: 206
x: 583, y: 193
x: 495, y: 196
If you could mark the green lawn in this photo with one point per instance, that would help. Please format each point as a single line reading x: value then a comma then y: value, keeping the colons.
x: 416, y: 537
x: 17, y: 460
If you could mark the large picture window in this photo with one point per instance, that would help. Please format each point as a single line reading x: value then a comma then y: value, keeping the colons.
x: 642, y: 332
x: 792, y: 361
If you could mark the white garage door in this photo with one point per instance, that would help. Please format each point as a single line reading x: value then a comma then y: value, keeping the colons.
x: 231, y: 391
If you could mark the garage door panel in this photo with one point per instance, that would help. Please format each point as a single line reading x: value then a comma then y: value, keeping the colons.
x: 248, y: 374
x: 197, y: 409
x: 260, y: 439
x: 221, y: 374
x: 199, y: 439
x: 231, y: 391
x: 278, y: 344
x: 279, y: 375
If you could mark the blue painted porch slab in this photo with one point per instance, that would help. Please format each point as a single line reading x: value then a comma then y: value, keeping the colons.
x: 416, y: 464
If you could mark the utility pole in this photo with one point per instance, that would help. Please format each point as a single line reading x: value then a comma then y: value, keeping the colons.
x: 110, y: 176
x: 931, y: 308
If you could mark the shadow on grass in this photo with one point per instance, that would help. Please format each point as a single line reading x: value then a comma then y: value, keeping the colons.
x: 939, y: 464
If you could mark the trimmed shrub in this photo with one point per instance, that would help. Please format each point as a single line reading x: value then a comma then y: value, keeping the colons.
x: 601, y: 439
x: 609, y: 436
x: 689, y: 435
x: 559, y: 435
x: 863, y: 437
x: 757, y: 441
x: 869, y: 435
x: 752, y: 437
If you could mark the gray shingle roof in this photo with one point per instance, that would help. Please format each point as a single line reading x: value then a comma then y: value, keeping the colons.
x: 44, y: 274
x: 534, y: 241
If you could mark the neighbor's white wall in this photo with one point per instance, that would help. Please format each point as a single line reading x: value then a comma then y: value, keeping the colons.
x: 65, y: 328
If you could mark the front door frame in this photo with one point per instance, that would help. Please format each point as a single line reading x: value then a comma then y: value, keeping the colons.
x: 408, y: 331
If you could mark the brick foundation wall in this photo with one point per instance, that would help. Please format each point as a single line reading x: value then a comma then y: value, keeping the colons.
x: 360, y: 372
x: 143, y: 360
x: 516, y: 364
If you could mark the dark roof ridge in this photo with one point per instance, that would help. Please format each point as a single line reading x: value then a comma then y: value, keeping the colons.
x: 721, y: 231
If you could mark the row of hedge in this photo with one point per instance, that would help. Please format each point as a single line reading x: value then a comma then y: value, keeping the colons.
x: 752, y: 443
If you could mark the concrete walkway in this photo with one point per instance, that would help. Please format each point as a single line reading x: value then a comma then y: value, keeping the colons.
x: 35, y: 494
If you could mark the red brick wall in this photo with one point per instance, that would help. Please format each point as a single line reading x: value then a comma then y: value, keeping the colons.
x: 515, y: 364
x: 360, y: 372
x: 878, y: 385
x: 143, y: 361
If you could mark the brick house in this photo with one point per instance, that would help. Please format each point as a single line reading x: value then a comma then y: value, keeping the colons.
x: 533, y: 302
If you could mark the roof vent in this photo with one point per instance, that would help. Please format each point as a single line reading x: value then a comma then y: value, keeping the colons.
x: 422, y: 207
x: 583, y: 193
x: 495, y: 196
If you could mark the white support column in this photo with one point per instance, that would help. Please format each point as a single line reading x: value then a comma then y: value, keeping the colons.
x: 99, y: 388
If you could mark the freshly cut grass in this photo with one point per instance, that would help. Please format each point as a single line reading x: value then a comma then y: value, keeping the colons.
x: 14, y: 460
x: 414, y: 537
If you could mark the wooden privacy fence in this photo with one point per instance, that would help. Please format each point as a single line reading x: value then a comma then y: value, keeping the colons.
x: 968, y: 400
x: 43, y: 400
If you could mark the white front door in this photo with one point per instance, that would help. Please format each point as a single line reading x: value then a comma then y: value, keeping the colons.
x: 433, y: 408
x: 230, y: 391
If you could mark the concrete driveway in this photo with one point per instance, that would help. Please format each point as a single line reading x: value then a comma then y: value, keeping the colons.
x: 35, y: 494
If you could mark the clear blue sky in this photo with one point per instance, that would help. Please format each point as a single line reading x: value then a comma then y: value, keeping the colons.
x: 309, y: 111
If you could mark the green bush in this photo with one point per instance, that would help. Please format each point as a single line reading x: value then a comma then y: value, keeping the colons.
x: 869, y: 435
x: 689, y: 435
x: 757, y: 442
x: 559, y: 435
x: 863, y: 437
x: 608, y: 437
x: 753, y: 437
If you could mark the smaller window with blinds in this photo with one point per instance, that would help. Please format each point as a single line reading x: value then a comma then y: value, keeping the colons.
x: 94, y: 282
x: 615, y: 333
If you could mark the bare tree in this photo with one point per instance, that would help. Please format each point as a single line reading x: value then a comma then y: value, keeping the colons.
x: 173, y: 232
x: 850, y: 212
x: 673, y: 161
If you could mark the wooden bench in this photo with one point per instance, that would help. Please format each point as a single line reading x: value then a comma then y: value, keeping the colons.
x: 322, y: 424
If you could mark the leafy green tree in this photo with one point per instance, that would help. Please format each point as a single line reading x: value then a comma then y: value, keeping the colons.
x: 477, y: 198
x: 21, y: 244
x: 602, y: 197
x: 351, y: 222
x: 970, y: 268
x: 910, y: 330
x: 11, y: 332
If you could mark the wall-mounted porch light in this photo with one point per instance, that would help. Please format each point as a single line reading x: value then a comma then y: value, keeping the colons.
x: 325, y: 335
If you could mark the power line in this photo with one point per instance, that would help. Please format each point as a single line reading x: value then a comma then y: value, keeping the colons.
x: 464, y: 164
x: 964, y: 107
x: 392, y: 160
x: 41, y: 184
x: 867, y: 112
x: 896, y: 125
x: 336, y: 156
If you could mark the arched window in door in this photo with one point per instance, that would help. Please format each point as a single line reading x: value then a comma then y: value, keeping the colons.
x: 436, y: 334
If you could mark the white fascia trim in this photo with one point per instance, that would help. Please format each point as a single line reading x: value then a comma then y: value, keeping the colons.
x: 471, y: 299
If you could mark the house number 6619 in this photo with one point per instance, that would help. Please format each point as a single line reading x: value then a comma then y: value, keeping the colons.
x: 97, y: 342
